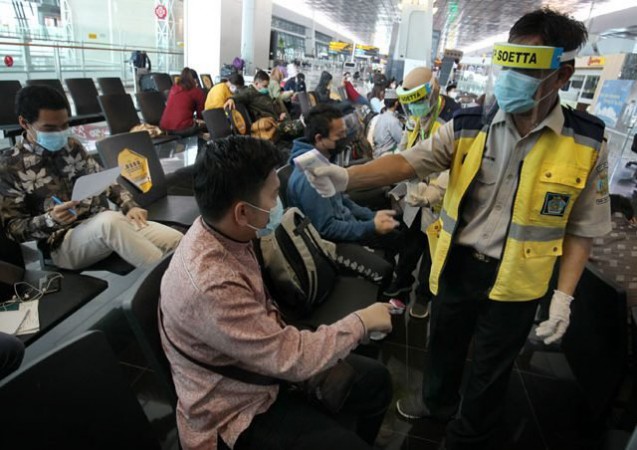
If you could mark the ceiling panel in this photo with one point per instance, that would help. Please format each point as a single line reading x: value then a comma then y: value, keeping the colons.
x: 462, y: 22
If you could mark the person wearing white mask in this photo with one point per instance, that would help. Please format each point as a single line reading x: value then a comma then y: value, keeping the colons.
x: 222, y: 92
x: 528, y: 184
x: 36, y: 182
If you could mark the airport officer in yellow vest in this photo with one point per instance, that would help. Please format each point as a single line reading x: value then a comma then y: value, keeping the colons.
x: 420, y: 98
x: 528, y: 184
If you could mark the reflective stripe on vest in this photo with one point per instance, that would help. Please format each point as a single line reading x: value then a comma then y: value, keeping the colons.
x: 552, y: 176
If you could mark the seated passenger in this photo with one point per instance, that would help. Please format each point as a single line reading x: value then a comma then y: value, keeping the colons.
x: 336, y: 218
x: 352, y: 94
x: 215, y: 310
x: 260, y: 105
x: 39, y: 172
x: 184, y: 100
x: 376, y: 97
x: 323, y: 88
x: 388, y: 130
x: 222, y: 92
x: 256, y: 98
x: 296, y: 84
x: 11, y: 354
x: 274, y: 86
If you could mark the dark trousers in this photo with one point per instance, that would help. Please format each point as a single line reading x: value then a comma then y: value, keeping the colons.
x: 294, y: 423
x: 416, y: 244
x: 357, y: 260
x: 11, y: 354
x: 499, y: 329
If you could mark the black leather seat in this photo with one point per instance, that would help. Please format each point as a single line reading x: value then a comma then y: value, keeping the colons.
x: 162, y: 81
x: 217, y: 123
x: 79, y: 118
x: 121, y: 115
x: 151, y: 105
x: 76, y: 397
x: 84, y: 95
x: 111, y: 85
x: 8, y: 118
x: 140, y: 308
x: 169, y: 209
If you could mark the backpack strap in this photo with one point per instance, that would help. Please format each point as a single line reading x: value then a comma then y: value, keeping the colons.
x: 233, y: 372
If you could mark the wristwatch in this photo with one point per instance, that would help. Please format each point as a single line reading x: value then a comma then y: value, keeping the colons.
x: 48, y: 219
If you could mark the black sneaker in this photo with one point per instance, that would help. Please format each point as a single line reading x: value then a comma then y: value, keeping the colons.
x: 394, y: 290
x: 412, y: 407
x: 419, y: 310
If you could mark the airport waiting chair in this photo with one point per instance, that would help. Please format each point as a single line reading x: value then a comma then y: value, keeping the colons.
x: 595, y: 344
x: 8, y: 118
x: 245, y: 114
x: 75, y: 291
x: 206, y: 81
x: 284, y: 174
x: 162, y: 81
x: 121, y: 115
x: 313, y: 99
x: 111, y: 85
x: 164, y: 208
x: 73, y: 397
x: 79, y: 118
x: 342, y: 93
x: 140, y: 309
x: 304, y: 102
x: 151, y: 105
x: 84, y: 95
x: 217, y: 123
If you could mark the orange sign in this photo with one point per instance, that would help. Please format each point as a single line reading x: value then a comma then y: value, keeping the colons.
x: 595, y: 61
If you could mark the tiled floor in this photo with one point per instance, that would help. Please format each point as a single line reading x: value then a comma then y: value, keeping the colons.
x: 544, y: 408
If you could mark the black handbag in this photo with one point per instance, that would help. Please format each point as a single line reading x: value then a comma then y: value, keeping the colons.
x: 329, y: 388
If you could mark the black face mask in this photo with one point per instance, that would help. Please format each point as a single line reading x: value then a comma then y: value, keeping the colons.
x: 340, y: 146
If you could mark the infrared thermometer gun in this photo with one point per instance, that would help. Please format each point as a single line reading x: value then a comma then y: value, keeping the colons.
x: 312, y: 160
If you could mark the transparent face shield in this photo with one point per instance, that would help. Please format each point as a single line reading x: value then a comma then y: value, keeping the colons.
x: 516, y: 77
x: 421, y: 102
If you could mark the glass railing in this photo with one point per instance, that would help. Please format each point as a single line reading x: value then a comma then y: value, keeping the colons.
x: 37, y: 57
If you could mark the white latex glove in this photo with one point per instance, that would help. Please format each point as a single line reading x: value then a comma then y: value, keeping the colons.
x: 328, y: 180
x: 559, y: 317
x: 417, y: 194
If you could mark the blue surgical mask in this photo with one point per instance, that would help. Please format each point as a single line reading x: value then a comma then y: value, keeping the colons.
x: 276, y: 215
x: 419, y: 109
x: 53, y: 141
x: 515, y: 91
x: 263, y: 91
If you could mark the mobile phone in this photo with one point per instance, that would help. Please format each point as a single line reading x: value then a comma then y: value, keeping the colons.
x: 397, y: 307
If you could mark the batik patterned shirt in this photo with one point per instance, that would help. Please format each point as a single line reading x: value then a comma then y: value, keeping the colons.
x: 30, y: 176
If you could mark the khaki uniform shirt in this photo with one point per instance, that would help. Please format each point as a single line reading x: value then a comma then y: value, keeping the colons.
x: 487, y: 209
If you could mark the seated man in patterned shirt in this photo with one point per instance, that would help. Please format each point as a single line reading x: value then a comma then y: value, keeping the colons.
x: 44, y: 167
x: 215, y: 310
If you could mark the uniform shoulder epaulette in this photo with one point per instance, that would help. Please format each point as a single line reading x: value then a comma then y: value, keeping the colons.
x: 583, y: 115
x: 475, y: 111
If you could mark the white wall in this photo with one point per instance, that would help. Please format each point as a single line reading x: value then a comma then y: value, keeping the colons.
x: 261, y: 33
x: 202, y: 35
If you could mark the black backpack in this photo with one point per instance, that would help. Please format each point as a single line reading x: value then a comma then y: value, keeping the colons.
x: 299, y: 265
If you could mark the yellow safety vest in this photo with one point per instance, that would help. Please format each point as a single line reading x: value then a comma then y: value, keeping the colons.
x: 552, y: 176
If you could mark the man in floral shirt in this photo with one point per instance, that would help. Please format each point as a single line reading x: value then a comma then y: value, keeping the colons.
x: 43, y: 168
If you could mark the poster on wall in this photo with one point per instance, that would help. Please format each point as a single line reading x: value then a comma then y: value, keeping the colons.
x: 613, y: 101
